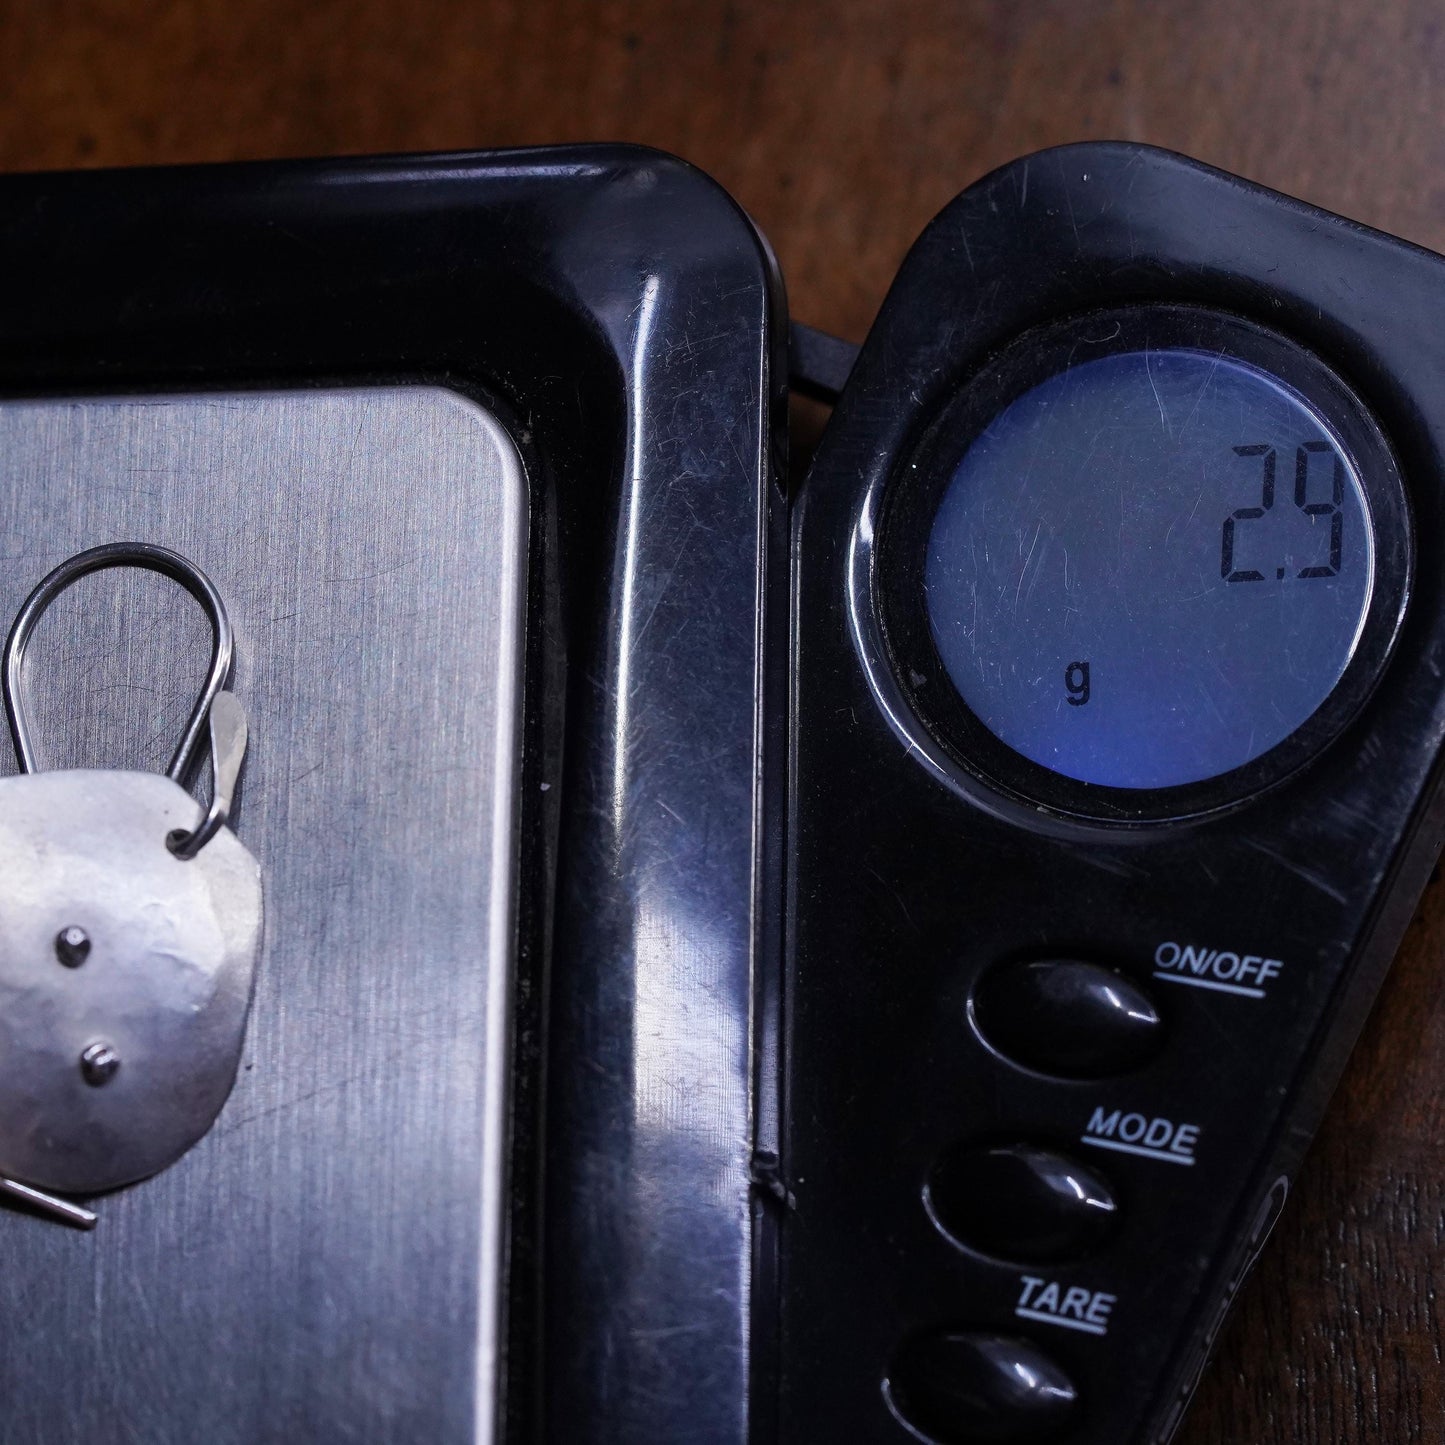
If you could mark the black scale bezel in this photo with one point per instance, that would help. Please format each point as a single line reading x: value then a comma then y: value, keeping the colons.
x: 914, y: 491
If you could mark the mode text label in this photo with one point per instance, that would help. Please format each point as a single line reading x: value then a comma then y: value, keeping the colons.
x: 1139, y: 1134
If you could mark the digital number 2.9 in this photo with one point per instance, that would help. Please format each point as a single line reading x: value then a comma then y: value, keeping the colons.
x: 1330, y: 509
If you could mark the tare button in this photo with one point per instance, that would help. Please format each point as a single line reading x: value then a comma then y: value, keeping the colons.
x: 1225, y: 970
x: 956, y: 1385
x: 1151, y: 1138
x: 1070, y: 1307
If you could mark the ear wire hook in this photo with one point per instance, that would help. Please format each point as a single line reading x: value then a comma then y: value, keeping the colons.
x: 228, y: 748
x: 228, y: 728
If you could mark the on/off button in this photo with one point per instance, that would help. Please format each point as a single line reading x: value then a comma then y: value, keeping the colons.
x: 1067, y: 1016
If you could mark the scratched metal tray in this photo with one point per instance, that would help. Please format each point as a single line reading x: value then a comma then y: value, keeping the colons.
x: 371, y: 547
x: 478, y: 450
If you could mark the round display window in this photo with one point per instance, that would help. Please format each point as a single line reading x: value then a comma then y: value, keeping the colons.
x: 1146, y: 551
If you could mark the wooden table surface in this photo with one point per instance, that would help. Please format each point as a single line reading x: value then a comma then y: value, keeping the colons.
x: 842, y: 126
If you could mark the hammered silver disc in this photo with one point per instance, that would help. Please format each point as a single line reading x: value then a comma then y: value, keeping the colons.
x: 112, y: 1067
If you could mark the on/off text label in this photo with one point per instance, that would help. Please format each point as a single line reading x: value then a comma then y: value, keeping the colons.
x: 1247, y: 975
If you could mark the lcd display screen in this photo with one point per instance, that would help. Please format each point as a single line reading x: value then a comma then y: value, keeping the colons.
x: 1150, y: 568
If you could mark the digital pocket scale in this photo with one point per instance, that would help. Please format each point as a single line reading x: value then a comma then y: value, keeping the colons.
x: 1117, y: 711
x: 855, y: 965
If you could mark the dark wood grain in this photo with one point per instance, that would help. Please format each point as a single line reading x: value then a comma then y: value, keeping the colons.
x: 843, y: 126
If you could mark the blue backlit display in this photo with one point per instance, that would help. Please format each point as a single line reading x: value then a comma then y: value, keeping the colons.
x: 1151, y: 568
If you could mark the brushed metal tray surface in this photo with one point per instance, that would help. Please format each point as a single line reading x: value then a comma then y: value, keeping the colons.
x: 324, y: 1265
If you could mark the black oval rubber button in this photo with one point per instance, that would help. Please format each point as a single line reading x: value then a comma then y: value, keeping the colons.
x: 1021, y: 1202
x: 1064, y: 1016
x: 965, y: 1388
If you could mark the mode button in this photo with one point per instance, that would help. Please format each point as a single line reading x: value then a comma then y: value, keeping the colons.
x: 1020, y: 1201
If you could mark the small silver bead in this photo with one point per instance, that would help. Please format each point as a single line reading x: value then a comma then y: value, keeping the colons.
x: 99, y: 1064
x: 72, y: 946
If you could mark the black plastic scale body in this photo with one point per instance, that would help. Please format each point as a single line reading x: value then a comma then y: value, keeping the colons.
x: 1052, y: 1060
x: 1051, y: 1048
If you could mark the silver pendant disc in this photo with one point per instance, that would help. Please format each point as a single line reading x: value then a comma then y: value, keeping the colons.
x: 125, y: 976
